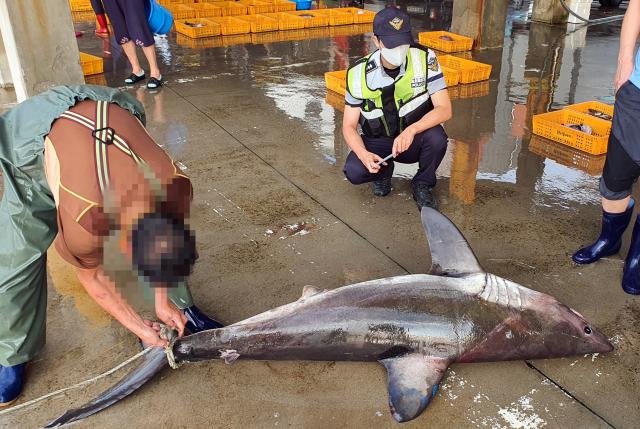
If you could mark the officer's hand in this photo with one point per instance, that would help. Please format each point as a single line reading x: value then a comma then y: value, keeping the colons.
x: 402, y: 142
x: 370, y: 161
x: 171, y: 315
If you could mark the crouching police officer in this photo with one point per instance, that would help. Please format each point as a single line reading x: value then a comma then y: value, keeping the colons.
x: 398, y: 96
x: 80, y: 168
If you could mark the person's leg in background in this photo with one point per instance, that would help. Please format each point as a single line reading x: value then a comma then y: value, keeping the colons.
x: 123, y: 38
x: 100, y: 17
x: 29, y: 224
x: 141, y: 35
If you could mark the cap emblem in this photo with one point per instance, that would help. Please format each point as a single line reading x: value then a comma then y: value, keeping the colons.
x: 396, y: 23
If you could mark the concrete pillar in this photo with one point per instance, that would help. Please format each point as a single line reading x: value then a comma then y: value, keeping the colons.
x: 5, y: 71
x: 482, y: 20
x: 552, y: 12
x: 40, y: 44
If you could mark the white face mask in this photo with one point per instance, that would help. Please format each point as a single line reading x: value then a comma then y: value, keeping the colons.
x: 395, y: 56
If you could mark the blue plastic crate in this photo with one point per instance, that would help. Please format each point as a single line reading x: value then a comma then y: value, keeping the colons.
x: 303, y: 5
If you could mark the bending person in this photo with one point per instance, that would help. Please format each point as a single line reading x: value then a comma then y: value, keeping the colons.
x: 87, y: 174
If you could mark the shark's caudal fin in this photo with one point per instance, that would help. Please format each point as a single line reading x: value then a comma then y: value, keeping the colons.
x: 450, y: 252
x: 152, y: 362
x: 413, y: 380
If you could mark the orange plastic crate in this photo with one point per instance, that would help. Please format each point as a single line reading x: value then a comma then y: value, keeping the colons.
x: 454, y: 92
x: 299, y: 34
x: 337, y: 81
x: 565, y: 155
x: 257, y: 6
x: 286, y: 21
x: 206, y: 10
x: 473, y: 90
x: 314, y: 20
x: 165, y: 3
x: 470, y: 71
x: 432, y: 40
x: 180, y: 11
x: 317, y: 32
x: 207, y: 42
x: 231, y: 8
x: 593, y: 105
x: 260, y: 23
x: 283, y: 5
x: 360, y: 16
x: 348, y: 30
x: 552, y: 126
x: 336, y: 16
x: 208, y: 29
x: 80, y: 6
x: 90, y: 64
x: 451, y: 76
x: 237, y: 39
x: 464, y: 54
x: 267, y: 37
x: 230, y: 25
x: 335, y: 100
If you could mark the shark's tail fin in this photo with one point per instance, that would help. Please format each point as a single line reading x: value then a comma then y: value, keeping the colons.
x: 152, y: 362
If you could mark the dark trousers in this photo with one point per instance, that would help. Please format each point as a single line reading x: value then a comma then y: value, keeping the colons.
x: 97, y: 7
x: 129, y: 22
x: 428, y: 149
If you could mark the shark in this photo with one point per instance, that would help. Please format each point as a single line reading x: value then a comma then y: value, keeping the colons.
x: 415, y: 325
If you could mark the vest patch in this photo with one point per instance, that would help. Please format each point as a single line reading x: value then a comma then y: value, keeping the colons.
x: 418, y: 82
x: 371, y: 66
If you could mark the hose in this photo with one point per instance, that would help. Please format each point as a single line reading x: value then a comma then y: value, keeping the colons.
x: 591, y: 21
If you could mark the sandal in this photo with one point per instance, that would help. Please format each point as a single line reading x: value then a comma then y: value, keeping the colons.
x: 154, y: 83
x: 134, y: 78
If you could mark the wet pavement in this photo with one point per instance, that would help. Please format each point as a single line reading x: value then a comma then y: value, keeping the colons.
x: 252, y: 127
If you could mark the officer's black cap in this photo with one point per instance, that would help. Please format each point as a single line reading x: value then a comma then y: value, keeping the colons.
x: 392, y: 27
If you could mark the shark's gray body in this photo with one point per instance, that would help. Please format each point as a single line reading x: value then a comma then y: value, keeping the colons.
x: 416, y: 325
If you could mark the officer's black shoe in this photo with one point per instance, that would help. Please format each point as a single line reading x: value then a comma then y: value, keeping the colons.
x: 424, y: 197
x: 381, y: 188
x: 198, y: 321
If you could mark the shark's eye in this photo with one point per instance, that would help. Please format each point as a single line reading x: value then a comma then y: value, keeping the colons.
x: 587, y: 330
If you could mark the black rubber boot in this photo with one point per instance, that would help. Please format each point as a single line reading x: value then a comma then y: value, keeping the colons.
x: 613, y: 226
x: 382, y: 188
x: 631, y: 277
x: 424, y: 197
x: 198, y: 321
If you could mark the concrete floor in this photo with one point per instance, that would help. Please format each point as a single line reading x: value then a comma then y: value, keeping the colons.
x: 265, y: 151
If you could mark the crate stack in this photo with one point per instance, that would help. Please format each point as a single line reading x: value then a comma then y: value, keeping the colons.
x: 597, y: 116
x: 81, y: 10
x: 254, y: 18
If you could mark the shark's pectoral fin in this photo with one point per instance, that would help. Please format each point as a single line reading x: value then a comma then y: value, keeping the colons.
x: 309, y: 290
x: 413, y: 380
x: 450, y: 252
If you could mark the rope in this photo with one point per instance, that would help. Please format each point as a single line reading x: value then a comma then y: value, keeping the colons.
x: 168, y: 349
x: 590, y: 21
x: 75, y: 386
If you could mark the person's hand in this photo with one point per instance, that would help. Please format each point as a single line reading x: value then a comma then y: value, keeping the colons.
x: 402, y: 142
x: 625, y: 68
x: 171, y: 315
x: 370, y: 161
x: 149, y: 333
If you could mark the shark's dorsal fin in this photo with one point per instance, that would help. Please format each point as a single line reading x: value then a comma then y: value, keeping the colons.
x: 309, y: 290
x: 450, y: 252
x: 413, y: 380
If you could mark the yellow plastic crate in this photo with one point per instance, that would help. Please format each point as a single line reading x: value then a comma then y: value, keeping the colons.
x: 311, y: 18
x: 317, y: 32
x: 208, y: 42
x: 360, y: 16
x: 231, y: 8
x: 565, y: 155
x: 237, y: 39
x: 337, y: 81
x: 454, y: 92
x: 260, y: 23
x: 90, y: 64
x: 473, y: 90
x: 451, y: 76
x: 283, y: 5
x: 180, y: 11
x: 335, y: 100
x: 432, y: 40
x: 206, y: 10
x: 470, y: 71
x: 80, y: 6
x: 592, y: 105
x: 267, y: 37
x: 348, y: 30
x: 299, y: 34
x: 257, y: 6
x: 286, y: 21
x: 336, y: 16
x: 83, y: 16
x: 464, y: 54
x: 208, y: 29
x: 96, y: 79
x: 552, y: 126
x: 230, y: 25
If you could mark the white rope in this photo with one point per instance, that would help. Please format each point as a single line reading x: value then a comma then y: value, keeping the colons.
x: 168, y: 349
x: 75, y: 386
